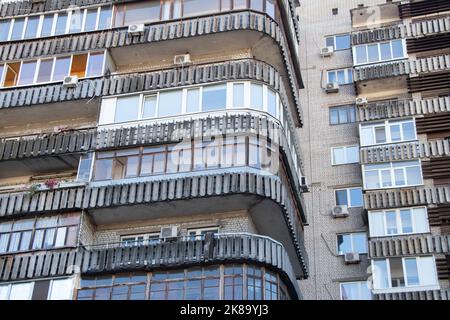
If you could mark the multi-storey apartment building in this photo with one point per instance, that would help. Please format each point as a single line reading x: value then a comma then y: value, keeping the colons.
x: 148, y: 150
x: 376, y: 133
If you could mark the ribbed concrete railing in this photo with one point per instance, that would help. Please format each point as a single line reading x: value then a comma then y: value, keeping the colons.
x: 222, y: 248
x: 409, y: 245
x: 405, y: 151
x: 403, y: 108
x: 409, y: 30
x: 402, y: 67
x: 415, y: 295
x: 47, y: 144
x: 406, y: 197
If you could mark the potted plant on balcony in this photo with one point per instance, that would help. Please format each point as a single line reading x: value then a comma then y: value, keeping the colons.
x: 51, y: 183
x: 33, y: 189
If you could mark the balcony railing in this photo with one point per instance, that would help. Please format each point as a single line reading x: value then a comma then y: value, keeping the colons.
x: 404, y: 108
x: 381, y: 199
x: 178, y: 252
x: 405, y: 151
x: 415, y: 295
x: 409, y: 245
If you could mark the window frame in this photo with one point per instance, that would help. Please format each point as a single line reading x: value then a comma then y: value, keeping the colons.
x: 348, y: 108
x: 392, y: 175
x: 349, y: 198
x: 352, y: 234
x: 399, y: 224
x: 387, y: 124
x: 333, y: 160
x: 148, y: 239
x: 347, y: 72
x: 334, y: 41
x: 379, y: 44
x: 360, y: 283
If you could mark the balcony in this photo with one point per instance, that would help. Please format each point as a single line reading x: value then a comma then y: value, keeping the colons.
x: 419, y: 8
x: 405, y: 151
x: 56, y: 152
x: 380, y: 199
x: 415, y: 295
x: 50, y: 99
x: 409, y: 245
x: 404, y: 108
x: 181, y: 252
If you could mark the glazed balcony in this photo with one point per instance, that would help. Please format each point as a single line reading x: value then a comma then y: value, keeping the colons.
x: 404, y: 108
x: 44, y: 153
x: 207, y: 36
x: 53, y: 101
x: 409, y: 245
x: 405, y: 151
x: 180, y: 252
x: 407, y: 197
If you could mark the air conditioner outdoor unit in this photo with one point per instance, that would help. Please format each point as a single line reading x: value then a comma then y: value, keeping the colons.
x: 70, y: 81
x: 169, y: 232
x: 326, y: 51
x: 339, y: 211
x: 304, y: 183
x: 182, y: 59
x: 136, y: 29
x: 361, y: 101
x: 332, y: 87
x: 351, y: 258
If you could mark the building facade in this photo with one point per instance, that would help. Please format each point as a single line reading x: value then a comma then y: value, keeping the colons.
x: 376, y: 110
x: 149, y: 150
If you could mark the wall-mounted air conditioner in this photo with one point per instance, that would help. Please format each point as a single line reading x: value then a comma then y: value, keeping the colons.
x: 339, y: 211
x: 332, y: 87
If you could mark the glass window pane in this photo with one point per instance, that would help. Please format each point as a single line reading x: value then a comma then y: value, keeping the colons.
x: 170, y: 103
x: 397, y: 49
x: 329, y: 42
x: 21, y: 291
x: 17, y: 30
x: 14, y: 241
x: 132, y: 167
x: 341, y: 77
x: 32, y: 27
x: 38, y: 239
x: 214, y: 97
x: 27, y: 73
x: 76, y: 21
x: 367, y: 136
x: 380, y: 274
x: 361, y: 55
x: 338, y: 155
x: 103, y: 169
x: 62, y: 66
x: 409, y: 131
x: 25, y: 241
x: 386, y: 179
x: 47, y: 25
x: 356, y: 197
x: 371, y: 180
x: 45, y: 71
x: 150, y: 107
x: 127, y: 109
x: 49, y: 238
x: 95, y: 65
x: 270, y: 8
x: 256, y: 96
x: 391, y: 222
x: 343, y: 115
x: 256, y: 5
x: 352, y: 154
x: 359, y: 242
x: 413, y: 175
x: 4, y: 29
x: 372, y: 51
x: 104, y: 21
x: 376, y: 224
x: 395, y: 133
x: 4, y: 238
x: 420, y: 220
x: 78, y: 67
x: 412, y: 274
x: 61, y: 23
x: 61, y: 237
x: 61, y: 289
x: 197, y: 7
x: 142, y: 12
x: 385, y: 49
x: 428, y: 272
x: 238, y: 95
x: 193, y: 100
x: 344, y: 243
x: 334, y: 116
x: 12, y: 74
x: 332, y: 76
x: 342, y: 42
x: 272, y: 102
x: 405, y: 216
x: 380, y: 134
x: 91, y: 19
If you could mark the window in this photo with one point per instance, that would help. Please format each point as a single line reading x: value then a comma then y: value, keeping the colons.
x: 199, y: 234
x: 105, y: 18
x: 351, y: 197
x: 358, y: 290
x: 141, y: 239
x: 95, y: 64
x: 17, y: 291
x: 4, y: 29
x: 45, y: 70
x: 78, y: 66
x: 76, y: 21
x: 342, y: 114
x: 41, y: 233
x: 127, y: 108
x: 17, y: 29
x: 32, y: 27
x: 233, y: 282
x: 61, y: 23
x: 61, y: 69
x: 398, y: 222
x: 27, y: 72
x: 12, y: 74
x: 198, y: 7
x: 387, y: 132
x: 352, y: 242
x: 169, y: 103
x: 84, y: 168
x: 396, y: 274
x: 392, y: 174
x: 379, y: 52
x: 136, y: 13
x: 339, y: 42
x: 61, y: 289
x: 254, y: 283
x: 345, y: 155
x: 340, y: 76
x: 47, y: 25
